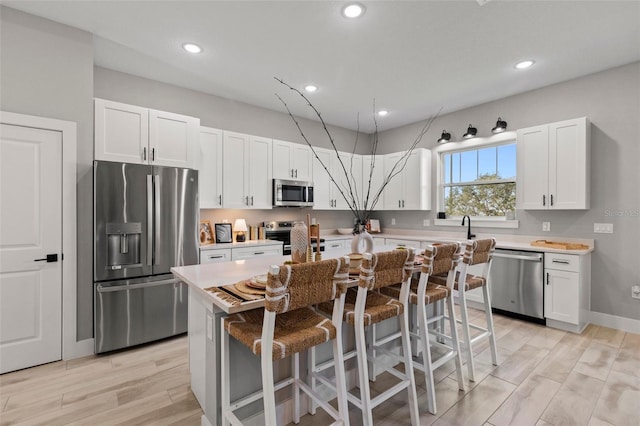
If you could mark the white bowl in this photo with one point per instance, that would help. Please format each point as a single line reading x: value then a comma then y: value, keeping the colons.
x: 345, y: 231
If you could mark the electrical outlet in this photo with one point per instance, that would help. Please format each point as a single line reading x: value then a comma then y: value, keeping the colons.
x: 425, y: 222
x: 393, y: 220
x: 546, y: 226
x: 635, y: 292
x: 603, y: 228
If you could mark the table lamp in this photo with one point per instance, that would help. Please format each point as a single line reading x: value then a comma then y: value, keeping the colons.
x: 240, y: 227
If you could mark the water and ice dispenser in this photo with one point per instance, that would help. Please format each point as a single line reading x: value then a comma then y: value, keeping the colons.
x: 124, y: 245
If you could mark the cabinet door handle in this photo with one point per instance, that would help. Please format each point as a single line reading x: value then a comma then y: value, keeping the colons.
x: 252, y: 200
x: 153, y: 154
x: 144, y: 154
x: 291, y: 173
x: 544, y: 200
x: 246, y: 200
x: 258, y: 252
x: 402, y: 203
x: 547, y: 278
x: 551, y: 199
x: 219, y: 256
x: 296, y: 172
x: 220, y: 197
x: 562, y: 261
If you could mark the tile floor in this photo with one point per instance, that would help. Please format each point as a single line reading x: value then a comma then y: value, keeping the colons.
x: 545, y: 377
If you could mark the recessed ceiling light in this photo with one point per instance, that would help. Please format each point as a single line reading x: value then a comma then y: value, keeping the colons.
x: 524, y: 64
x: 310, y: 88
x: 383, y: 112
x: 353, y: 10
x: 192, y: 48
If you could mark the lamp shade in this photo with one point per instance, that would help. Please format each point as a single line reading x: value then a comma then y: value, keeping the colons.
x: 240, y: 225
x: 471, y: 132
x: 445, y: 137
x: 501, y: 126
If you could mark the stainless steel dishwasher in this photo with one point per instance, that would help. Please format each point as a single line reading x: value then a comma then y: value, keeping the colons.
x: 517, y: 284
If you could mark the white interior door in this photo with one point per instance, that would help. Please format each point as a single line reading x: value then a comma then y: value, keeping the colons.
x: 30, y: 229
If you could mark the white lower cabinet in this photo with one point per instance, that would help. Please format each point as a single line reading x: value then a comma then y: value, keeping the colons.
x: 566, y: 290
x: 249, y: 252
x: 215, y: 255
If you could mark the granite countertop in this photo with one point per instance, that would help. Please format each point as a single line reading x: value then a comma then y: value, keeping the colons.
x: 504, y: 241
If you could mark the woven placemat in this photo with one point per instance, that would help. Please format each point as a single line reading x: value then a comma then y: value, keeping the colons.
x: 242, y: 287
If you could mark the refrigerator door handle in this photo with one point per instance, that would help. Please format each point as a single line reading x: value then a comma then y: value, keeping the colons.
x: 149, y: 220
x: 109, y: 289
x: 156, y: 219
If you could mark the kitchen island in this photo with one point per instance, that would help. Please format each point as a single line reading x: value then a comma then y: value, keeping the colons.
x: 206, y: 308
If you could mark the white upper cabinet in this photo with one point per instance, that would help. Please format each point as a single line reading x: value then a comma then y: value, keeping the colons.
x: 121, y: 132
x: 246, y: 171
x: 322, y: 185
x: 553, y: 166
x: 173, y: 139
x: 410, y: 188
x: 132, y: 134
x: 326, y: 194
x: 372, y: 170
x: 292, y: 161
x: 210, y: 168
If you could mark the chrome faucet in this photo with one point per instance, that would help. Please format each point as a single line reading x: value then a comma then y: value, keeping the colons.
x: 469, y: 234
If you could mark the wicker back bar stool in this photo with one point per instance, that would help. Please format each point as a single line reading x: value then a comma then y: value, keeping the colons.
x: 285, y: 327
x: 477, y: 253
x: 438, y: 259
x: 364, y: 307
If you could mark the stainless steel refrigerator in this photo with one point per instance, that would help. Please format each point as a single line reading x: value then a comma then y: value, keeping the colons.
x: 145, y: 222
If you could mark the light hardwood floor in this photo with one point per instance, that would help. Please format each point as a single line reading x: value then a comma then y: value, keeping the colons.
x: 545, y: 377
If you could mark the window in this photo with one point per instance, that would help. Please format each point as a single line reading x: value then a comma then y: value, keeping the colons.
x: 479, y: 182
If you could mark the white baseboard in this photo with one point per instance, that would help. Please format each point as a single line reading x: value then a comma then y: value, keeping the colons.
x: 204, y: 421
x: 612, y: 321
x: 78, y: 349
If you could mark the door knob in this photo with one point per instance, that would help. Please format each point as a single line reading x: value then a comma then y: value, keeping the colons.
x: 50, y: 258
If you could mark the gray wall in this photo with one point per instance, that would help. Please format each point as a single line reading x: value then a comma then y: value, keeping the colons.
x: 611, y: 101
x: 46, y: 69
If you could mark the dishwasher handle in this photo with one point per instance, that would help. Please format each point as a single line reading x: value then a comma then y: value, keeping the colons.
x: 532, y: 258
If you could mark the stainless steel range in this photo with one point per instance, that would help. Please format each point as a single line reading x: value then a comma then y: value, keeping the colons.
x: 281, y: 231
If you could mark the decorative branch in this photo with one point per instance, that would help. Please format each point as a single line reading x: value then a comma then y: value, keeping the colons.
x: 353, y: 201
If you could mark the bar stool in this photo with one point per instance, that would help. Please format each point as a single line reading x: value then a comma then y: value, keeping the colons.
x: 438, y: 259
x: 477, y: 253
x: 286, y: 327
x: 366, y: 307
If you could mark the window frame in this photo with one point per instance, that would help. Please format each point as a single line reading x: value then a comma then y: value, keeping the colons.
x: 467, y: 145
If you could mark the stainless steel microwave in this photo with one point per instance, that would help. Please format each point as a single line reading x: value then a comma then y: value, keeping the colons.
x: 292, y: 193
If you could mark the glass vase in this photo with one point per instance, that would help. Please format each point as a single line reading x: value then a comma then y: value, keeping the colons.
x: 299, y: 239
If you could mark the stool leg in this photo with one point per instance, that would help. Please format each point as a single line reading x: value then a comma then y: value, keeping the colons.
x: 224, y: 370
x: 489, y: 315
x: 408, y: 366
x: 363, y: 374
x: 467, y: 336
x: 296, y: 387
x: 341, y: 382
x: 371, y: 351
x: 311, y: 365
x: 426, y: 359
x: 266, y: 358
x: 455, y: 343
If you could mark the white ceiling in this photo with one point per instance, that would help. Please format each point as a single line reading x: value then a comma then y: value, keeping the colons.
x: 412, y: 57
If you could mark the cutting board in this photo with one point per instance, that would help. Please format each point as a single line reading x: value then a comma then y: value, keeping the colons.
x: 560, y: 245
